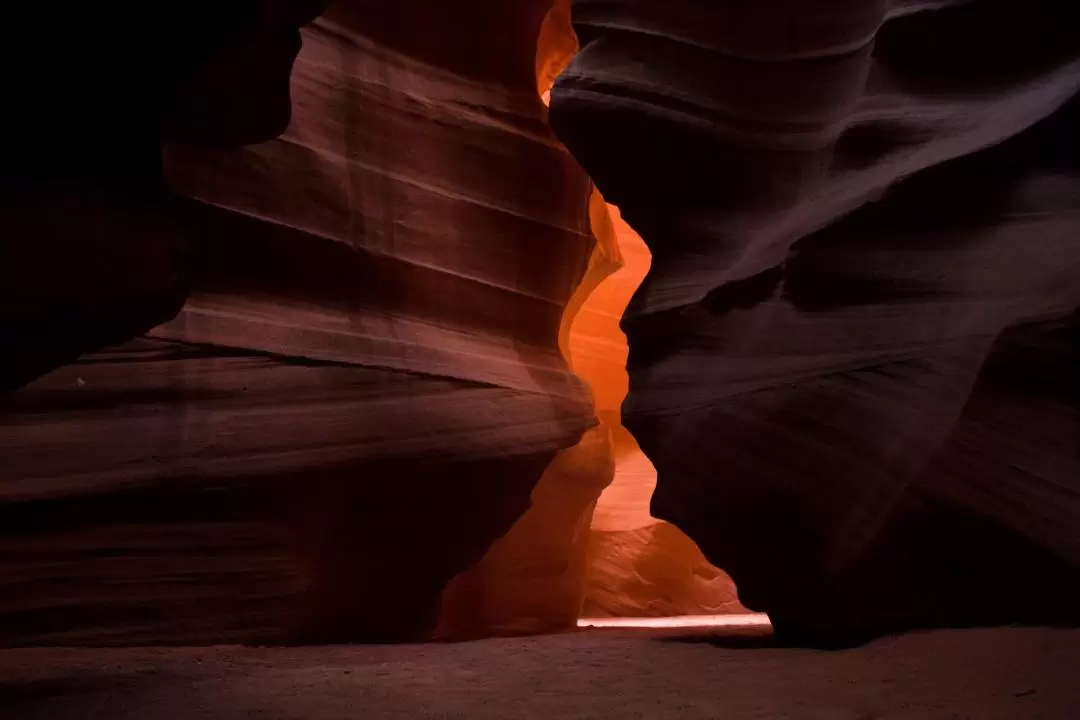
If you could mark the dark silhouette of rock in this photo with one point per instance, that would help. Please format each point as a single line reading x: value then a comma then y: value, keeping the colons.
x: 92, y: 253
x: 853, y: 360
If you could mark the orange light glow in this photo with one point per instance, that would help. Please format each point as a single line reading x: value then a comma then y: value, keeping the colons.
x: 593, y: 343
x: 637, y: 563
x: 598, y: 352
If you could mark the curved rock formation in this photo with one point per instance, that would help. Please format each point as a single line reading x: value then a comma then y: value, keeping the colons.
x: 365, y: 384
x: 563, y: 560
x: 653, y: 571
x: 637, y: 565
x: 852, y: 362
x: 533, y: 579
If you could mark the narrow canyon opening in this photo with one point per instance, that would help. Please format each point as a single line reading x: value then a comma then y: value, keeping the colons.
x: 637, y: 567
x: 588, y: 552
x: 638, y: 570
x: 328, y: 347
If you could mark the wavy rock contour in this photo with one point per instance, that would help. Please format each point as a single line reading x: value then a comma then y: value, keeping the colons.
x: 365, y: 384
x: 852, y: 361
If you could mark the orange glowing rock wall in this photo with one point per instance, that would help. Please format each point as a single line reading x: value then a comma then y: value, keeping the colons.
x: 574, y: 552
x: 533, y: 579
x: 638, y: 566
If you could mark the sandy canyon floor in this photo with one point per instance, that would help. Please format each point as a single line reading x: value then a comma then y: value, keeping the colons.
x: 985, y: 674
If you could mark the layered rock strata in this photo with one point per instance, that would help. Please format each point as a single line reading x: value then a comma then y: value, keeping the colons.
x: 365, y: 384
x: 533, y: 579
x: 92, y: 255
x: 852, y: 361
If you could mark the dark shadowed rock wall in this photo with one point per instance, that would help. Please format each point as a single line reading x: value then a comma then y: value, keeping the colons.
x: 854, y: 360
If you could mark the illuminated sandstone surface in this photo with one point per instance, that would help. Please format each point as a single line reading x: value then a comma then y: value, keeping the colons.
x: 637, y: 566
x: 365, y: 384
x: 578, y: 551
x: 853, y: 361
x: 533, y: 578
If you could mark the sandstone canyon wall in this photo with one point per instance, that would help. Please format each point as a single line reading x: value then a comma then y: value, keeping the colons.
x: 587, y: 545
x: 366, y: 382
x: 638, y: 566
x: 389, y: 408
x: 532, y: 579
x: 853, y: 361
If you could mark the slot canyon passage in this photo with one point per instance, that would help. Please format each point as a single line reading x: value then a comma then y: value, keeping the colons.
x: 376, y: 369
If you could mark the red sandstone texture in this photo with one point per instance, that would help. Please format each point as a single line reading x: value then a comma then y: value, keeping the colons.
x: 576, y: 550
x: 328, y: 382
x: 365, y: 384
x: 378, y: 380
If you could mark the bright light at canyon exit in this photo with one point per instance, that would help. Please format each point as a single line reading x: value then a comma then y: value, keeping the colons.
x: 751, y: 620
